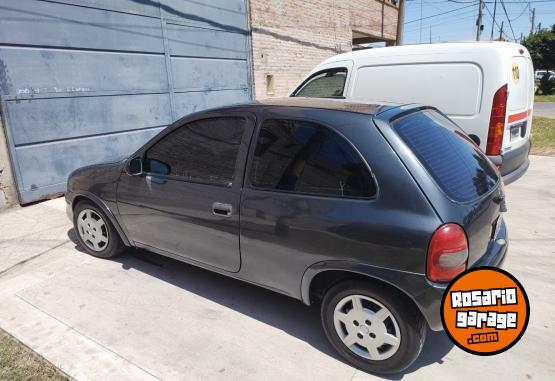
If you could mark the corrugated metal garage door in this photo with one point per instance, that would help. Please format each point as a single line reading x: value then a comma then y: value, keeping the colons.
x: 87, y: 81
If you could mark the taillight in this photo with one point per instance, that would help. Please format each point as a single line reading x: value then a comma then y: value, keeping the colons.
x: 497, y: 122
x: 447, y: 253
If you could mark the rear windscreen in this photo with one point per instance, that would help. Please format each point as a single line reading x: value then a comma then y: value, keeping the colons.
x: 458, y: 166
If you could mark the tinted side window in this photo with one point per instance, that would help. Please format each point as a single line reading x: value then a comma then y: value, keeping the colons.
x: 457, y: 166
x: 328, y: 84
x: 204, y: 151
x: 304, y: 157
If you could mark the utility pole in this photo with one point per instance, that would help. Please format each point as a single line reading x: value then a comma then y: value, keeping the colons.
x: 493, y: 23
x: 430, y: 34
x: 421, y: 21
x: 400, y: 22
x: 533, y: 20
x: 501, y: 32
x: 479, y: 21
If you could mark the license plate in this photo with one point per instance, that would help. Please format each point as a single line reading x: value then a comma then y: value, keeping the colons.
x: 515, y: 132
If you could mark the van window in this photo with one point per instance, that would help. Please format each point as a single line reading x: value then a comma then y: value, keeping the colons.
x: 324, y: 84
x: 304, y: 157
x: 459, y: 168
x: 453, y: 88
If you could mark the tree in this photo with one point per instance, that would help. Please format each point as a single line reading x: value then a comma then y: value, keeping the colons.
x: 542, y: 48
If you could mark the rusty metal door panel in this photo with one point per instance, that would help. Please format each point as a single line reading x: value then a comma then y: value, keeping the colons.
x: 228, y: 15
x: 188, y: 102
x: 208, y: 74
x: 52, y: 24
x: 48, y: 119
x: 44, y: 167
x: 89, y: 81
x: 40, y: 70
x: 188, y: 41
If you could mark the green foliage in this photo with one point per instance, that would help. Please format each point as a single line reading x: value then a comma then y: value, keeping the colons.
x: 18, y: 363
x: 543, y: 136
x: 547, y: 85
x: 542, y: 48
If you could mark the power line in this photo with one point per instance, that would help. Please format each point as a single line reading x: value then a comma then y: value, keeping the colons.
x: 493, y: 17
x: 487, y: 2
x: 508, y: 19
x: 521, y: 13
x: 460, y: 17
x: 495, y: 21
x: 439, y: 14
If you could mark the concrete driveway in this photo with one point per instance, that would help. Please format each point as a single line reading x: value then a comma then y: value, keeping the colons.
x: 145, y: 317
x: 544, y: 109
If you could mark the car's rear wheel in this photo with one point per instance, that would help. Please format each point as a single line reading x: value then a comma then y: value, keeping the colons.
x: 372, y: 327
x: 95, y: 232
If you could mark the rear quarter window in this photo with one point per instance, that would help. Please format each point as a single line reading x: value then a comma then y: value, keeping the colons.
x: 458, y: 167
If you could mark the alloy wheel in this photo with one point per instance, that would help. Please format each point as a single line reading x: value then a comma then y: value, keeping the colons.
x: 367, y: 327
x: 92, y: 230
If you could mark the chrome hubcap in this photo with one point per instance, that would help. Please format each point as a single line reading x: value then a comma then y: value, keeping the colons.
x: 92, y: 230
x: 367, y: 327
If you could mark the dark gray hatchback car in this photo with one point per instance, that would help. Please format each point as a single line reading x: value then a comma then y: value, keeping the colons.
x: 368, y: 211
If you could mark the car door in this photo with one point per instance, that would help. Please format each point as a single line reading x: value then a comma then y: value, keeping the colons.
x: 186, y: 201
x: 307, y: 198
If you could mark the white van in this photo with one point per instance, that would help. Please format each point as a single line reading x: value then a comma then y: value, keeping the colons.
x: 485, y: 87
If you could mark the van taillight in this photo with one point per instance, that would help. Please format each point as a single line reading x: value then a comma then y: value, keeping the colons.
x: 447, y: 253
x: 497, y: 122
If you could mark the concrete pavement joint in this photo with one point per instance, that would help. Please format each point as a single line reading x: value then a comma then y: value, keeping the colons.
x: 18, y: 264
x: 33, y: 233
x: 86, y: 336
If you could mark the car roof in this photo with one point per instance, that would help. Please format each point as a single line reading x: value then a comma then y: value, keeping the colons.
x: 316, y: 103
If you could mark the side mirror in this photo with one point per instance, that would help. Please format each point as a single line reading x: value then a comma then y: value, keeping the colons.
x: 135, y: 166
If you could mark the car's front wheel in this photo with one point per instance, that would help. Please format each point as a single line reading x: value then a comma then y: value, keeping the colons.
x: 95, y: 232
x: 372, y: 327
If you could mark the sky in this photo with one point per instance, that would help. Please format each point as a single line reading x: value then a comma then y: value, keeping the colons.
x: 455, y: 20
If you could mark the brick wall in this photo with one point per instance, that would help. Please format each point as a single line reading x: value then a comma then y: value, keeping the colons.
x: 290, y: 37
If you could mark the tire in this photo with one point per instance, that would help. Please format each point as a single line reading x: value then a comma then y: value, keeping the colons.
x: 95, y: 231
x: 383, y: 334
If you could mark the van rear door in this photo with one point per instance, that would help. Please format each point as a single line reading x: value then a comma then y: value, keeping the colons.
x: 519, y: 103
x: 461, y: 183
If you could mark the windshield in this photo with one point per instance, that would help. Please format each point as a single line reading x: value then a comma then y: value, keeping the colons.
x: 324, y: 84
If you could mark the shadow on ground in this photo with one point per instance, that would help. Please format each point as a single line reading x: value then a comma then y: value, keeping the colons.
x: 279, y: 311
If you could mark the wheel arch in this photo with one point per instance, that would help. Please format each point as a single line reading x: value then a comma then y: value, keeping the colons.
x: 86, y: 196
x: 321, y: 276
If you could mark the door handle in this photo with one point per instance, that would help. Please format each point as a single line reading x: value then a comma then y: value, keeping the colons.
x: 222, y: 210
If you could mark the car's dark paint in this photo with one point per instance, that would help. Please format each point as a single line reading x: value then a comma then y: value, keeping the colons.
x: 281, y: 240
x: 515, y: 163
x: 176, y: 206
x: 476, y: 217
x: 98, y: 183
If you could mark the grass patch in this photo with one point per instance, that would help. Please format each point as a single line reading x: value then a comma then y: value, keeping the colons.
x: 543, y: 136
x: 544, y: 98
x: 19, y: 363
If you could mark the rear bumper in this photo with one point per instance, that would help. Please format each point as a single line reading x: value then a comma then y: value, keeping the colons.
x: 429, y: 302
x: 514, y: 163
